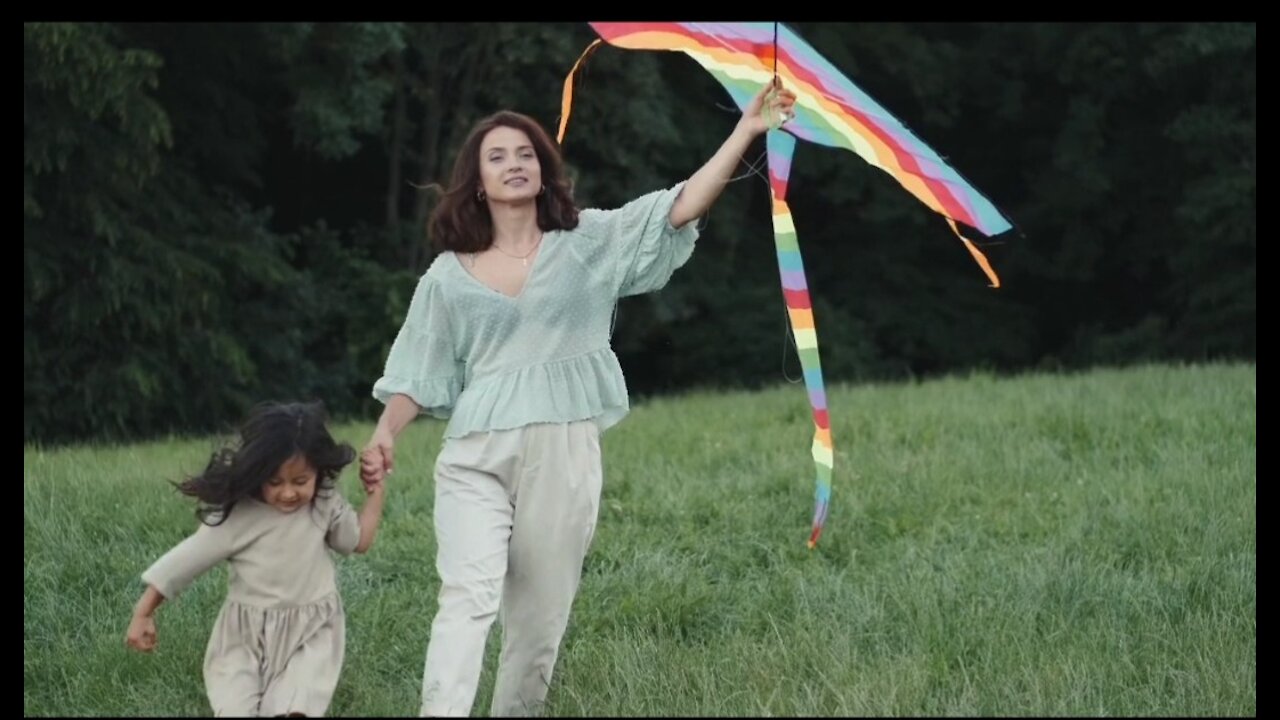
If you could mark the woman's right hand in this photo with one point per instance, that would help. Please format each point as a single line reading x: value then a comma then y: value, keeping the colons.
x: 377, y: 459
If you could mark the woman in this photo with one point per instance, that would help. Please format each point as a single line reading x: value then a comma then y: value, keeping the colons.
x: 507, y: 337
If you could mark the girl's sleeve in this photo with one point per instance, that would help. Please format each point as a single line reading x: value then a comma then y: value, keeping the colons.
x: 344, y: 526
x: 188, y: 560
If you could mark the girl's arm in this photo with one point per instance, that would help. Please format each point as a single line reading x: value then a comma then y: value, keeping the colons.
x: 141, y: 635
x: 172, y: 574
x: 370, y: 516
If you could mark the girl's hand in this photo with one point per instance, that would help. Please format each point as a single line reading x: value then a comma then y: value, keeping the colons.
x: 142, y: 633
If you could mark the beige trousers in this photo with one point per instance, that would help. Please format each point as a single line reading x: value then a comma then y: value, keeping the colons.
x: 515, y: 511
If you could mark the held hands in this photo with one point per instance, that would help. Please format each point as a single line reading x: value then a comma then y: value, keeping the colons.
x: 376, y: 460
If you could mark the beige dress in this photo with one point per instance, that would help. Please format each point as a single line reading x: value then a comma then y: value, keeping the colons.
x: 277, y: 645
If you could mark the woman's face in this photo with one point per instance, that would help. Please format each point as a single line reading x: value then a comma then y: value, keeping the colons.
x: 509, y: 169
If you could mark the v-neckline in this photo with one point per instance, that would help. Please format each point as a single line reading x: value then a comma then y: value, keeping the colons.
x: 528, y: 277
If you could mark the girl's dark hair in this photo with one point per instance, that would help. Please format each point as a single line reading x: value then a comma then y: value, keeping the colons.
x: 461, y: 222
x: 271, y: 434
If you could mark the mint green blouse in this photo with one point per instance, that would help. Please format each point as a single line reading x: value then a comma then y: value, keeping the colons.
x: 486, y: 361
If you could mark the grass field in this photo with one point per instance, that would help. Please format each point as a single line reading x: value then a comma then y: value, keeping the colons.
x: 1040, y: 545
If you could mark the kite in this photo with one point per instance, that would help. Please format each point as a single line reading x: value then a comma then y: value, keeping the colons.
x: 831, y: 111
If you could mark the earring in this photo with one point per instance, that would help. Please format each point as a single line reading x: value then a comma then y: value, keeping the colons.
x: 480, y: 196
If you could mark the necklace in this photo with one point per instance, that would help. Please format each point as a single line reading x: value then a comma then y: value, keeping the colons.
x: 522, y: 258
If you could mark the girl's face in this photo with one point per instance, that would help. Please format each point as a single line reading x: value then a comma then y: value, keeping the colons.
x: 292, y: 486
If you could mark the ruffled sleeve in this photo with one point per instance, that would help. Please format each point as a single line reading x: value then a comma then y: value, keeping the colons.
x: 423, y: 363
x: 641, y: 246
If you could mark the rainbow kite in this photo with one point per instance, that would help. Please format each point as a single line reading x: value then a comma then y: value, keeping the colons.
x: 829, y: 110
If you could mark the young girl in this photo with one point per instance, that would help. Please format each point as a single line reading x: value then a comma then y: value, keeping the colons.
x: 270, y: 509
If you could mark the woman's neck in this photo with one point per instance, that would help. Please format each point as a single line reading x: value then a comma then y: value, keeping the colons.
x: 515, y: 227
